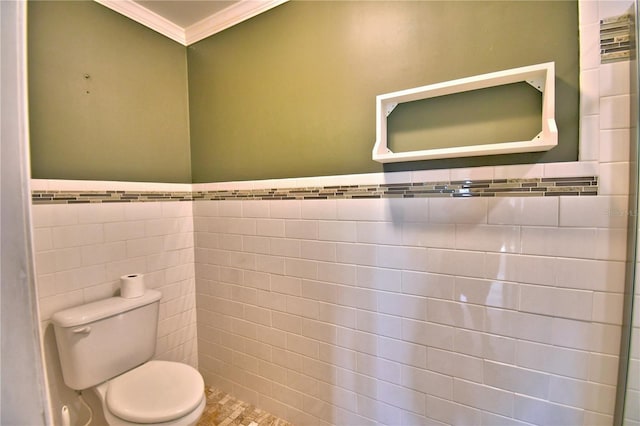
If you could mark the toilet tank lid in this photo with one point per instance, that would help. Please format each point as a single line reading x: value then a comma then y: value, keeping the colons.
x: 94, y: 311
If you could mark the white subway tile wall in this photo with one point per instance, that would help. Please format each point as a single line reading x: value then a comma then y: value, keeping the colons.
x: 613, y: 155
x: 520, y: 319
x: 82, y: 250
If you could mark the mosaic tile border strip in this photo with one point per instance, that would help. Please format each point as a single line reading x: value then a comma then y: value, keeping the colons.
x: 533, y: 187
x: 616, y: 43
x: 83, y: 197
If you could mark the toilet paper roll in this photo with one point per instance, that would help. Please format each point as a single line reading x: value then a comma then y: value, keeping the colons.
x: 132, y: 286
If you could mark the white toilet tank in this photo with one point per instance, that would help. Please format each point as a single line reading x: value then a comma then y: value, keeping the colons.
x: 103, y: 339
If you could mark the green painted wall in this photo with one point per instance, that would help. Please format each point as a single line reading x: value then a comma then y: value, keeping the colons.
x: 464, y: 119
x: 288, y: 93
x: 292, y: 92
x: 128, y: 120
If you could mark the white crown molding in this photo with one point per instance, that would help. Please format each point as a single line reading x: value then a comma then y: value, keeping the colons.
x: 144, y: 16
x: 232, y: 15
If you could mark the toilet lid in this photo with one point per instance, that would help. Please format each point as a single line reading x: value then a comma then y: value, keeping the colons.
x: 158, y: 391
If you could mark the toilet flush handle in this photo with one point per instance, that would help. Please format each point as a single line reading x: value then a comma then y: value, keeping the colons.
x: 82, y: 330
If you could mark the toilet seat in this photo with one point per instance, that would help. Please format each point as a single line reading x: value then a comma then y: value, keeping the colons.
x: 157, y: 392
x: 188, y: 420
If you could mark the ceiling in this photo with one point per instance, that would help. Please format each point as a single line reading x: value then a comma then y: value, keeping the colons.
x: 189, y: 21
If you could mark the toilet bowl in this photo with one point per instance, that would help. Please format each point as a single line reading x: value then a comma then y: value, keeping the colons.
x: 157, y: 392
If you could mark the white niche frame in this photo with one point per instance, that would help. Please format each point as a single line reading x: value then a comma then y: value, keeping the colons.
x: 540, y: 76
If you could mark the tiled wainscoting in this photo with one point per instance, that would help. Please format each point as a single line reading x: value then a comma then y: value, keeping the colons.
x: 83, y: 249
x: 429, y: 309
x: 414, y: 311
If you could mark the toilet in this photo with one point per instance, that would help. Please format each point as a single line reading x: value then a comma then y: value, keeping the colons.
x: 107, y: 346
